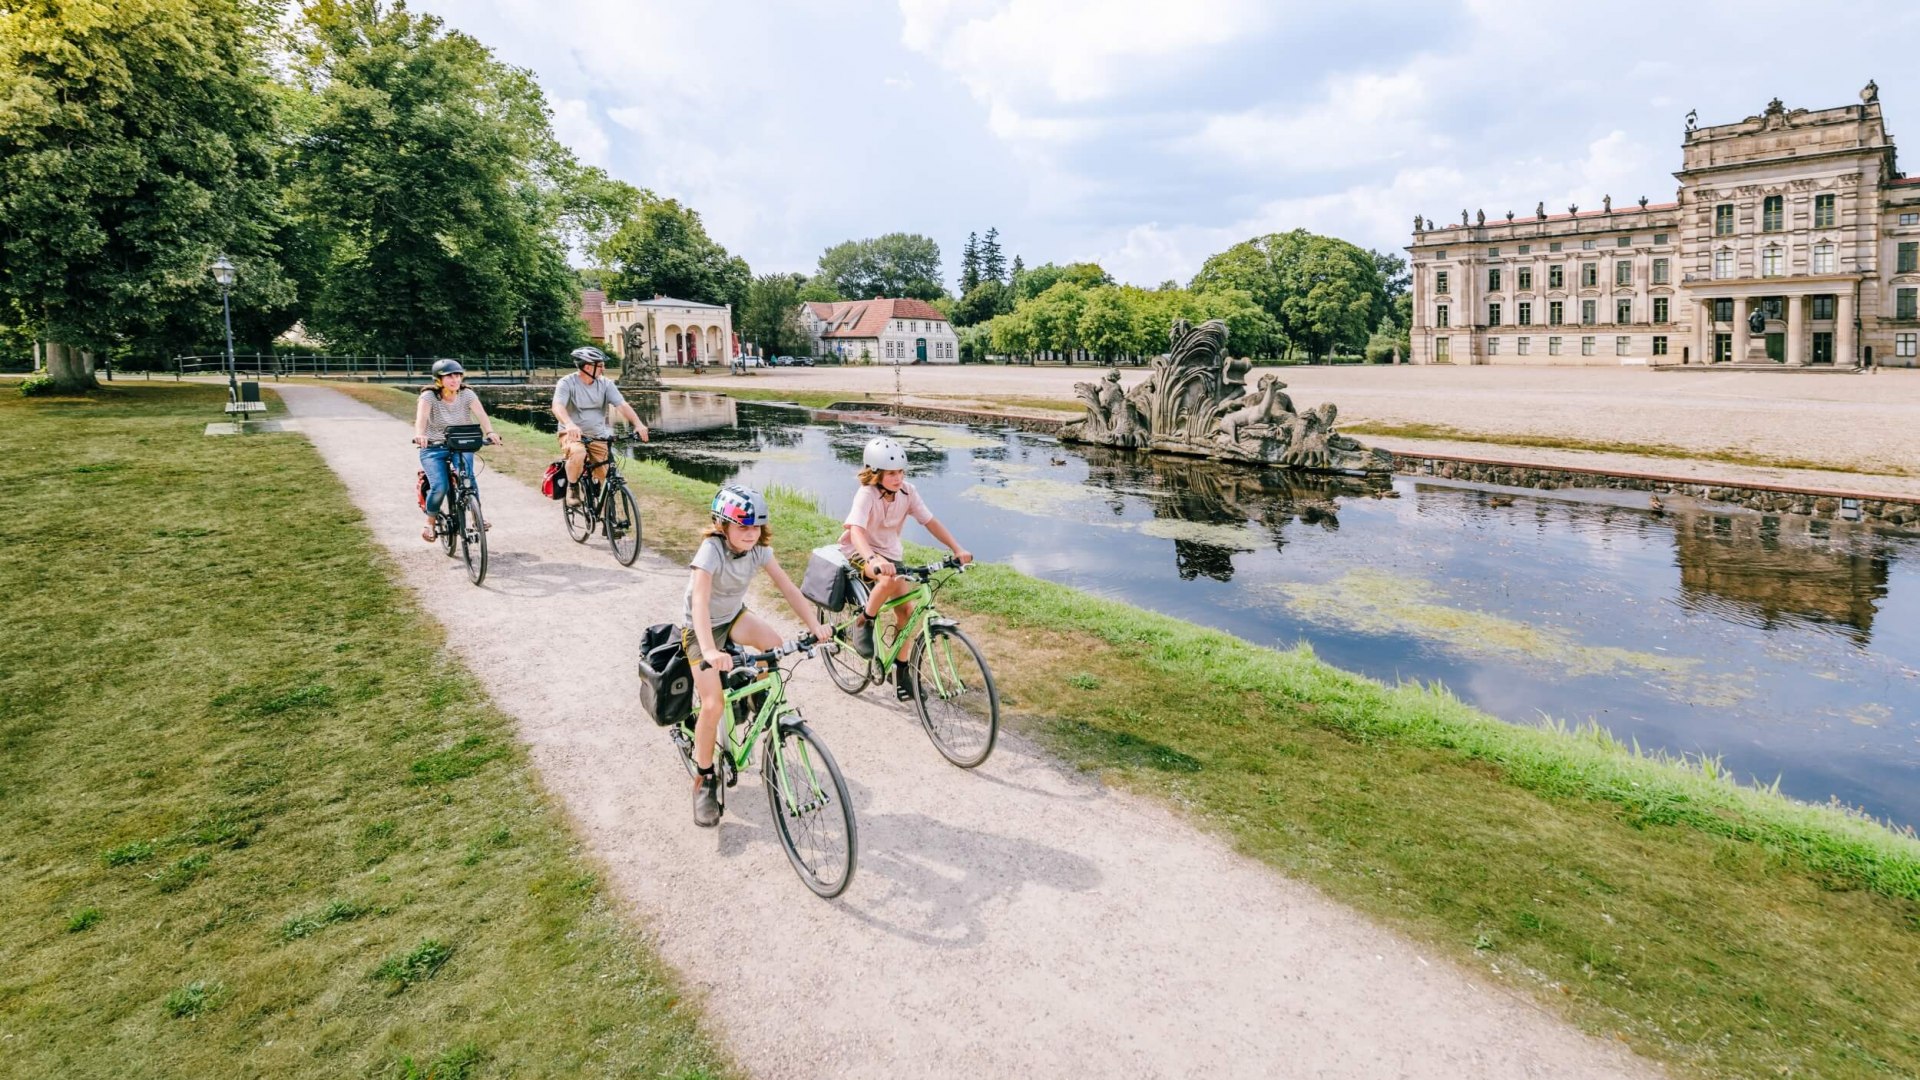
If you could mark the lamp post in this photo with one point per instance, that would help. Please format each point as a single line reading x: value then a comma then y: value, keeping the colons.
x: 223, y: 273
x: 526, y: 348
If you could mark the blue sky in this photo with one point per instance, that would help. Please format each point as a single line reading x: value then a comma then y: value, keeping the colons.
x: 1145, y: 134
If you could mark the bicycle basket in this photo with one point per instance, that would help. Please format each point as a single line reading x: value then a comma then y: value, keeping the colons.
x: 825, y: 582
x: 465, y: 438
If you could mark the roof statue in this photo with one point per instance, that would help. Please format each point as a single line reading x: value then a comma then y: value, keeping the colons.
x: 1606, y: 204
x: 1540, y: 210
x: 1870, y: 93
x: 1479, y: 217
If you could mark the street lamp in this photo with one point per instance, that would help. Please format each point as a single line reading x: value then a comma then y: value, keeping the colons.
x: 223, y: 273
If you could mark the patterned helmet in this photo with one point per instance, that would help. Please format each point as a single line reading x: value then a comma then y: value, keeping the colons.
x: 588, y: 355
x: 740, y: 505
x: 883, y: 453
x: 447, y: 367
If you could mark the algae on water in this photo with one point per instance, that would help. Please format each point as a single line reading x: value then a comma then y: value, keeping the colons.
x: 941, y: 438
x: 1232, y: 537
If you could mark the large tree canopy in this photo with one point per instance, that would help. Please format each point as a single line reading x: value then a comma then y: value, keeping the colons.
x: 896, y: 265
x: 431, y: 182
x: 1321, y: 293
x: 136, y: 143
x: 662, y: 249
x: 1028, y: 284
x: 770, y: 319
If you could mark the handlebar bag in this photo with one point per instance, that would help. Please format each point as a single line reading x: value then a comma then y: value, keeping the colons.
x: 826, y: 581
x: 465, y: 438
x: 666, y: 679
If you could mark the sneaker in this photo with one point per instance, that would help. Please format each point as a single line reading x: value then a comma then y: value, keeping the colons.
x: 706, y: 806
x: 860, y: 636
x: 903, y: 686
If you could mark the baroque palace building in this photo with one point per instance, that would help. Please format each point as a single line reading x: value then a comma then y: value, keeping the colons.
x: 1793, y: 240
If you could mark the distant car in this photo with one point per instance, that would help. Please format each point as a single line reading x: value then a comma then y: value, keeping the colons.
x: 792, y: 361
x: 748, y: 361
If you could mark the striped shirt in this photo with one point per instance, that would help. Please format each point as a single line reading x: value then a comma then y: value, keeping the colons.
x: 441, y: 412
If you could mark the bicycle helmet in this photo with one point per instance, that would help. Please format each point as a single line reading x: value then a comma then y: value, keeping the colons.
x: 740, y: 505
x: 588, y: 355
x: 883, y: 453
x: 447, y: 367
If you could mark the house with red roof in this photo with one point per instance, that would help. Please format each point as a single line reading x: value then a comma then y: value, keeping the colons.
x: 881, y: 331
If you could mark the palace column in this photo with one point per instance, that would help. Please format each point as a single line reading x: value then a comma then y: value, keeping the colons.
x: 1703, y: 331
x: 1740, y: 305
x: 1796, y: 331
x: 1843, y: 346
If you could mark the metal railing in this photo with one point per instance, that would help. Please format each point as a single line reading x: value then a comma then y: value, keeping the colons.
x: 367, y: 368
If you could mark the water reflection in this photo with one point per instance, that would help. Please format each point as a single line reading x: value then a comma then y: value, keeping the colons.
x: 1786, y: 649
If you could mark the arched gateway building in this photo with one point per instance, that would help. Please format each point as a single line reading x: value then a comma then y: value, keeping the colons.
x: 1797, y: 215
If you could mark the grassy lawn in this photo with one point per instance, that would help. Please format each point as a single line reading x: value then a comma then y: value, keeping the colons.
x: 1653, y: 450
x: 258, y: 822
x: 1719, y: 929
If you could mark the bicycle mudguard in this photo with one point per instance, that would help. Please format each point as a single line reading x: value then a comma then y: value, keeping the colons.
x: 942, y: 622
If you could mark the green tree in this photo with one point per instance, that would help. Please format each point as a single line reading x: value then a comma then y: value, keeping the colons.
x: 1054, y: 317
x: 770, y: 318
x: 1395, y: 282
x: 431, y: 181
x: 136, y: 143
x: 1045, y: 276
x: 993, y: 264
x: 894, y: 265
x: 664, y: 250
x: 819, y: 290
x: 1321, y: 293
x: 983, y: 302
x: 970, y: 264
x: 1106, y: 323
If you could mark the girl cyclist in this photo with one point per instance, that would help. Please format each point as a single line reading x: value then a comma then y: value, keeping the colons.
x: 737, y: 543
x: 446, y: 403
x: 871, y: 543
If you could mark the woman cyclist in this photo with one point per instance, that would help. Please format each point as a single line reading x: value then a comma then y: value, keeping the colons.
x: 445, y: 404
x: 871, y: 544
x: 737, y: 543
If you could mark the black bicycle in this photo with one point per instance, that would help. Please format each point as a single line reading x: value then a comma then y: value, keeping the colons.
x: 606, y: 504
x: 461, y: 525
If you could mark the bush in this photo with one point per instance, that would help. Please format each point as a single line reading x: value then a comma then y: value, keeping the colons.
x: 39, y: 384
x: 1380, y: 348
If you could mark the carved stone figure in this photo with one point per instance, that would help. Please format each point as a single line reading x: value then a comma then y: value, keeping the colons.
x: 1870, y: 93
x: 1463, y: 219
x: 1757, y: 322
x: 1417, y: 222
x: 1479, y: 217
x: 1509, y: 215
x: 1540, y: 210
x: 1606, y: 204
x: 1573, y: 209
x: 1693, y: 119
x: 1643, y: 202
x: 639, y: 366
x: 1195, y: 401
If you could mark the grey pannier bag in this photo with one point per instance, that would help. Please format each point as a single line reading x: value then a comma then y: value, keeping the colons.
x: 826, y: 582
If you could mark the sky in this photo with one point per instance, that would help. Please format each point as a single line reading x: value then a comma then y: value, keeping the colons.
x: 1146, y: 135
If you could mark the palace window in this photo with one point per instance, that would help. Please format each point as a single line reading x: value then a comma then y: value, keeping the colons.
x: 1586, y: 245
x: 1524, y: 277
x: 1823, y: 211
x: 1553, y: 247
x: 1527, y: 249
x: 1823, y: 307
x: 1621, y: 345
x: 1556, y: 312
x: 1660, y: 345
x: 1770, y: 261
x: 1723, y: 311
x: 1493, y: 314
x: 1659, y: 238
x: 1493, y: 346
x: 1660, y: 309
x: 1526, y: 314
x: 1623, y: 311
x: 1903, y: 304
x: 1524, y: 347
x: 1906, y: 344
x: 1440, y: 254
x: 1823, y: 258
x: 1553, y: 346
x: 1493, y: 253
x: 1442, y: 350
x: 1587, y: 312
x: 1586, y: 345
x: 1625, y: 241
x: 1493, y: 280
x: 1723, y: 263
x: 1589, y: 275
x: 1910, y: 219
x: 1907, y: 258
x: 1823, y: 346
x: 1623, y: 273
x: 1556, y: 277
x: 1723, y: 220
x: 1772, y: 214
x: 1440, y: 316
x: 1661, y: 274
x: 1440, y: 282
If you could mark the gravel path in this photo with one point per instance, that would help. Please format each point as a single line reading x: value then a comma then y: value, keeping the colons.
x: 1021, y: 920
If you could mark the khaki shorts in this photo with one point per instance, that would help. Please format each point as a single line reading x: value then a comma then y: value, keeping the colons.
x: 597, y: 452
x: 722, y: 637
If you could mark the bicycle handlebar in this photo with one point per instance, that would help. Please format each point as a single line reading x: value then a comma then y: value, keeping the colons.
x: 922, y: 573
x: 746, y: 664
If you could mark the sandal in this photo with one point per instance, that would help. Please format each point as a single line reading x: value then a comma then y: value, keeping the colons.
x: 430, y: 534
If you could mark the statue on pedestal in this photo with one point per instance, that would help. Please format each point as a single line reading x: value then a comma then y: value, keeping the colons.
x: 639, y: 367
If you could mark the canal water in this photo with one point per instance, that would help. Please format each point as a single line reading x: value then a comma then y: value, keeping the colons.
x: 1786, y: 648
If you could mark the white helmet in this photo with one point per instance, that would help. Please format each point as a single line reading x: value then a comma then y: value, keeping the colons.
x: 883, y: 453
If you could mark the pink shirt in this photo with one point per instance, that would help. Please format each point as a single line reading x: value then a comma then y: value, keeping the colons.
x: 883, y: 519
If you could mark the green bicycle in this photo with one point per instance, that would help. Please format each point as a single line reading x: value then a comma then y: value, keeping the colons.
x: 805, y: 792
x: 958, y: 704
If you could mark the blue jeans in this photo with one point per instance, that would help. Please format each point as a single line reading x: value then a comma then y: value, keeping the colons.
x: 435, y: 460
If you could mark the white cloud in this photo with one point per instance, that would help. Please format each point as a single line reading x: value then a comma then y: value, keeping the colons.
x: 574, y: 125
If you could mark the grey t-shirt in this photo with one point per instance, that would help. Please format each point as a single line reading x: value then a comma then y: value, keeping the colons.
x: 731, y: 576
x: 588, y: 405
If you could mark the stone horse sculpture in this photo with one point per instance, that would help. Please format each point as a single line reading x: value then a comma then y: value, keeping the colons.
x: 1195, y: 401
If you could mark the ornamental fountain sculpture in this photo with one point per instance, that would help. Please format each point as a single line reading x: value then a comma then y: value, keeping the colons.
x: 1196, y: 401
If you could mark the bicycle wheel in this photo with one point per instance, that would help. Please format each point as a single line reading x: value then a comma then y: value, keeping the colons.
x: 580, y: 517
x: 954, y: 691
x: 473, y: 539
x: 810, y: 807
x: 847, y: 669
x: 449, y: 526
x: 622, y: 523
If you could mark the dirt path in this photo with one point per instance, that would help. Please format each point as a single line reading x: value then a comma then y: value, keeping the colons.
x: 1021, y: 920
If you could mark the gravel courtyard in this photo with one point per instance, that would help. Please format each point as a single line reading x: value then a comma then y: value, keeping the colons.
x: 1832, y: 427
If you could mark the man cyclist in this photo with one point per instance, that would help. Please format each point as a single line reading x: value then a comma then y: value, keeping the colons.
x: 580, y: 404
